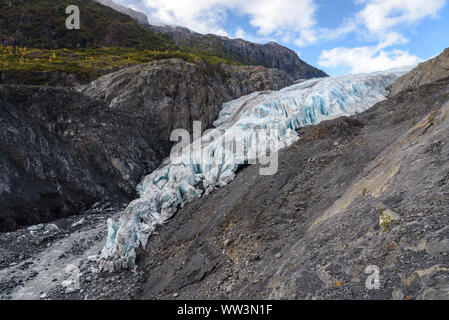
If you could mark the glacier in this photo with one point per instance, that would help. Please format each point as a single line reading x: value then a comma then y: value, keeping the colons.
x: 212, y: 160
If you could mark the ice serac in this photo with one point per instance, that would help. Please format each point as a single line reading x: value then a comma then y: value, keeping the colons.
x: 273, y: 115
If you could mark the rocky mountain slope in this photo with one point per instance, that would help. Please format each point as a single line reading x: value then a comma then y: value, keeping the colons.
x: 351, y: 193
x: 259, y: 119
x: 270, y: 55
x: 177, y: 92
x: 351, y: 196
x: 62, y: 150
x: 37, y: 48
x: 427, y: 72
x: 64, y: 129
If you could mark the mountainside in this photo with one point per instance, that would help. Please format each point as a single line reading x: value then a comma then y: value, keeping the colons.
x: 178, y: 93
x: 427, y: 72
x: 352, y: 195
x: 41, y: 24
x: 310, y: 187
x: 270, y: 55
x: 62, y: 151
x: 36, y: 47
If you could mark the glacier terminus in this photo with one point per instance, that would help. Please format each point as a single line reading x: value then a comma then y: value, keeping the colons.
x: 277, y: 113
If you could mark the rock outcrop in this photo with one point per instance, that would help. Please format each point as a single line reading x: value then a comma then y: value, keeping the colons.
x: 427, y: 72
x: 353, y: 196
x: 270, y: 55
x: 177, y: 92
x: 61, y: 150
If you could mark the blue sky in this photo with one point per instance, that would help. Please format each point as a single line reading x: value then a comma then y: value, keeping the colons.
x: 338, y: 36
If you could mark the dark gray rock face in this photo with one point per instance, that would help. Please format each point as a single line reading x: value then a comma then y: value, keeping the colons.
x: 270, y: 55
x: 370, y: 190
x: 61, y: 150
x: 177, y: 92
x: 52, y: 78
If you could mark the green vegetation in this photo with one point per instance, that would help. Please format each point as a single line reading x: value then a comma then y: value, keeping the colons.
x: 387, y: 221
x: 36, y: 42
x: 87, y: 63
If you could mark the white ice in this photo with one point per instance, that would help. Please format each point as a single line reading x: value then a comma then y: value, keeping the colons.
x: 277, y: 113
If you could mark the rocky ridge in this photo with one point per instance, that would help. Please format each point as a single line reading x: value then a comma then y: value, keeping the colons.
x: 427, y: 72
x: 42, y: 24
x: 270, y: 55
x: 177, y: 92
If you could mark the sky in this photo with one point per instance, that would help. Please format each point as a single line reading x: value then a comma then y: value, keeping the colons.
x: 337, y: 36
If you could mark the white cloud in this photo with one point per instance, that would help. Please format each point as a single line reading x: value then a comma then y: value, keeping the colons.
x: 242, y: 34
x: 348, y: 26
x: 390, y: 39
x: 271, y: 18
x: 379, y: 20
x: 381, y: 15
x: 282, y: 15
x: 205, y: 16
x: 366, y: 59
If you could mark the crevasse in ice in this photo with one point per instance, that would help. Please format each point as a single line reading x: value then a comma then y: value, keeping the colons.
x: 212, y: 161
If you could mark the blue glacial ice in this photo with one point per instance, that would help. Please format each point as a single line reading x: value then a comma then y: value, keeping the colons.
x: 211, y: 161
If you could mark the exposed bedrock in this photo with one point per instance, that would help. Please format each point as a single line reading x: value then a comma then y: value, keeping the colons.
x: 427, y: 72
x: 177, y: 92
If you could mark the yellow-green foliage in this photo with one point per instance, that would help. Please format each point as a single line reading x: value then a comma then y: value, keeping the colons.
x: 88, y: 63
x: 386, y: 221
